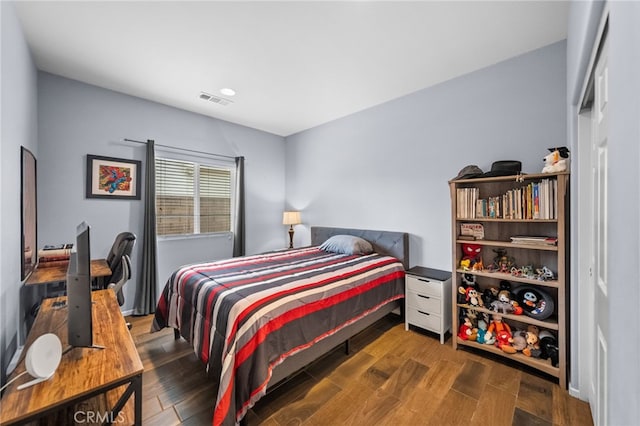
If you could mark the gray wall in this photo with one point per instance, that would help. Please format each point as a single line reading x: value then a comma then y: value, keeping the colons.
x: 387, y: 167
x: 77, y: 119
x: 623, y: 204
x: 19, y: 127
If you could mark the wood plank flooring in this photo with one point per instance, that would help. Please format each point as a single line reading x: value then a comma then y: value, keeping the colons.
x: 391, y: 377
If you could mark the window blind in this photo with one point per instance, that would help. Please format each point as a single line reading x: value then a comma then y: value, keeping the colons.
x: 192, y: 198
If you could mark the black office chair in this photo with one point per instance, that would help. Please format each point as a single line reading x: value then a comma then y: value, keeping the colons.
x: 125, y: 275
x: 122, y: 246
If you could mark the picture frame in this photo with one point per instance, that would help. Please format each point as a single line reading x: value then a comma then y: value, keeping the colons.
x: 28, y: 219
x: 109, y: 177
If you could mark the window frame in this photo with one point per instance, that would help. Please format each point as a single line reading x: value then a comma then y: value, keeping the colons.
x: 200, y: 161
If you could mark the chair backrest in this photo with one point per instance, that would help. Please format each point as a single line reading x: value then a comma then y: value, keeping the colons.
x: 125, y: 276
x: 122, y: 246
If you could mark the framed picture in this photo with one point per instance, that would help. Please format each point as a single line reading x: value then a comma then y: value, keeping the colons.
x: 109, y: 177
x: 28, y: 204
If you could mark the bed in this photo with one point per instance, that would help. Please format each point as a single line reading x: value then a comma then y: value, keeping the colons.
x: 257, y: 319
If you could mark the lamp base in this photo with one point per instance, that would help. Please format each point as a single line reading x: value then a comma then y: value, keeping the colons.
x: 290, y: 236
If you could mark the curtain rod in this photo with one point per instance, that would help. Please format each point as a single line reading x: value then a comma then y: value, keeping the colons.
x: 182, y: 149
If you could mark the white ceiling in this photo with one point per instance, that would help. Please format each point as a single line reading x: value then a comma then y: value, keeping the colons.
x: 294, y: 65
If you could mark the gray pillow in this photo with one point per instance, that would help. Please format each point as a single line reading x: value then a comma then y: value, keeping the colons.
x: 347, y: 244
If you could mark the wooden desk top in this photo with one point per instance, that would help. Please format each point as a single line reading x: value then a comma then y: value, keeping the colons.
x: 82, y: 371
x: 54, y: 274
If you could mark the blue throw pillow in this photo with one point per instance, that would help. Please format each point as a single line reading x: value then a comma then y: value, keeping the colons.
x: 347, y: 244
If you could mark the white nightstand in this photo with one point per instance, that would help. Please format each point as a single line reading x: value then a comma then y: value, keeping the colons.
x: 428, y: 300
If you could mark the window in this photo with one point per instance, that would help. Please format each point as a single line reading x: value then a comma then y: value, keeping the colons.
x: 192, y: 197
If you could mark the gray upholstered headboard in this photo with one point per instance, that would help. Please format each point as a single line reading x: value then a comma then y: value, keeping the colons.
x: 394, y: 244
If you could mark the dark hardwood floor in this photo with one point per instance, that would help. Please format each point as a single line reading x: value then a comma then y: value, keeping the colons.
x: 391, y: 377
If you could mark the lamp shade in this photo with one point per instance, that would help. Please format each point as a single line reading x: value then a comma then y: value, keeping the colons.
x: 291, y: 218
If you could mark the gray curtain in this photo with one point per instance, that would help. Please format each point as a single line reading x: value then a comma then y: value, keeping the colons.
x: 238, y: 231
x: 145, y: 302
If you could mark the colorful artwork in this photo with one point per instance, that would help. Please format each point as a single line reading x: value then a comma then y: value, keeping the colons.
x: 113, y: 178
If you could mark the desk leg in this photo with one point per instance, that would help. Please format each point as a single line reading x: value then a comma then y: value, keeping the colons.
x: 137, y: 383
x: 135, y: 387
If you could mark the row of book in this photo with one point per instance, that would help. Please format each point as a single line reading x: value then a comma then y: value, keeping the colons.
x: 58, y: 255
x: 536, y: 200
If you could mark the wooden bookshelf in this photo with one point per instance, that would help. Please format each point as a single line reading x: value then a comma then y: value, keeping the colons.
x: 498, y: 232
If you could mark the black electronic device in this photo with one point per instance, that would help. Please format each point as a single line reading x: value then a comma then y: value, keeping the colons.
x: 79, y: 320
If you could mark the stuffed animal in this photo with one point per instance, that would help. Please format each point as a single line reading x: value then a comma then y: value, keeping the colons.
x: 519, y: 341
x: 503, y: 303
x: 470, y: 256
x: 531, y: 336
x: 468, y: 282
x: 467, y: 330
x: 473, y: 298
x: 556, y: 161
x: 549, y: 347
x: 489, y: 295
x: 502, y: 332
x: 482, y: 331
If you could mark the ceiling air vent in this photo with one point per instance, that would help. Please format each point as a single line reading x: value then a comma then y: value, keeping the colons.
x: 215, y: 99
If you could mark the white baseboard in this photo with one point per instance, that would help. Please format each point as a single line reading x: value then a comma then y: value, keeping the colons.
x: 128, y: 312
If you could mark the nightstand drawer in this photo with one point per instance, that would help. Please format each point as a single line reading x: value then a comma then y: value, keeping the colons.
x: 423, y: 302
x: 425, y: 286
x: 424, y: 319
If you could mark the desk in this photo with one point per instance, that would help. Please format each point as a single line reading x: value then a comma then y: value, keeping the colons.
x: 96, y: 375
x: 99, y: 268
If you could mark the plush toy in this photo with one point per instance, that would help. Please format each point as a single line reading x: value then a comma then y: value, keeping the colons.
x: 482, y: 331
x: 468, y: 282
x: 470, y: 256
x: 489, y: 295
x: 556, y: 161
x: 549, y: 347
x: 531, y: 337
x: 467, y: 331
x: 473, y: 298
x: 502, y: 332
x: 519, y: 342
x: 535, y: 302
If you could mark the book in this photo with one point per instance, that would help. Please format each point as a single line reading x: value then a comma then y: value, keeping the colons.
x: 475, y: 230
x: 53, y: 263
x: 54, y: 252
x: 58, y: 246
x: 528, y: 239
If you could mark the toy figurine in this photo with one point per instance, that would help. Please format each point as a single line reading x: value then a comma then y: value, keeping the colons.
x: 502, y: 333
x: 467, y: 331
x: 470, y: 256
x: 502, y: 262
x: 549, y: 347
x: 468, y: 282
x: 531, y: 336
x: 545, y: 274
x: 557, y: 161
x: 473, y: 298
x: 482, y: 331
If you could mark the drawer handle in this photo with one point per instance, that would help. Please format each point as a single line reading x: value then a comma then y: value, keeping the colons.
x: 423, y: 279
x: 424, y: 313
x: 424, y: 297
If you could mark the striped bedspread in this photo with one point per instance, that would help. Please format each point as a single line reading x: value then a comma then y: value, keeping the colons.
x: 244, y: 316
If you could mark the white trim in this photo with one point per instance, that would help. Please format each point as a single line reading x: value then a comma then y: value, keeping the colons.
x: 594, y: 55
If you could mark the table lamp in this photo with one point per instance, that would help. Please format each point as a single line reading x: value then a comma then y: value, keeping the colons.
x: 291, y: 218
